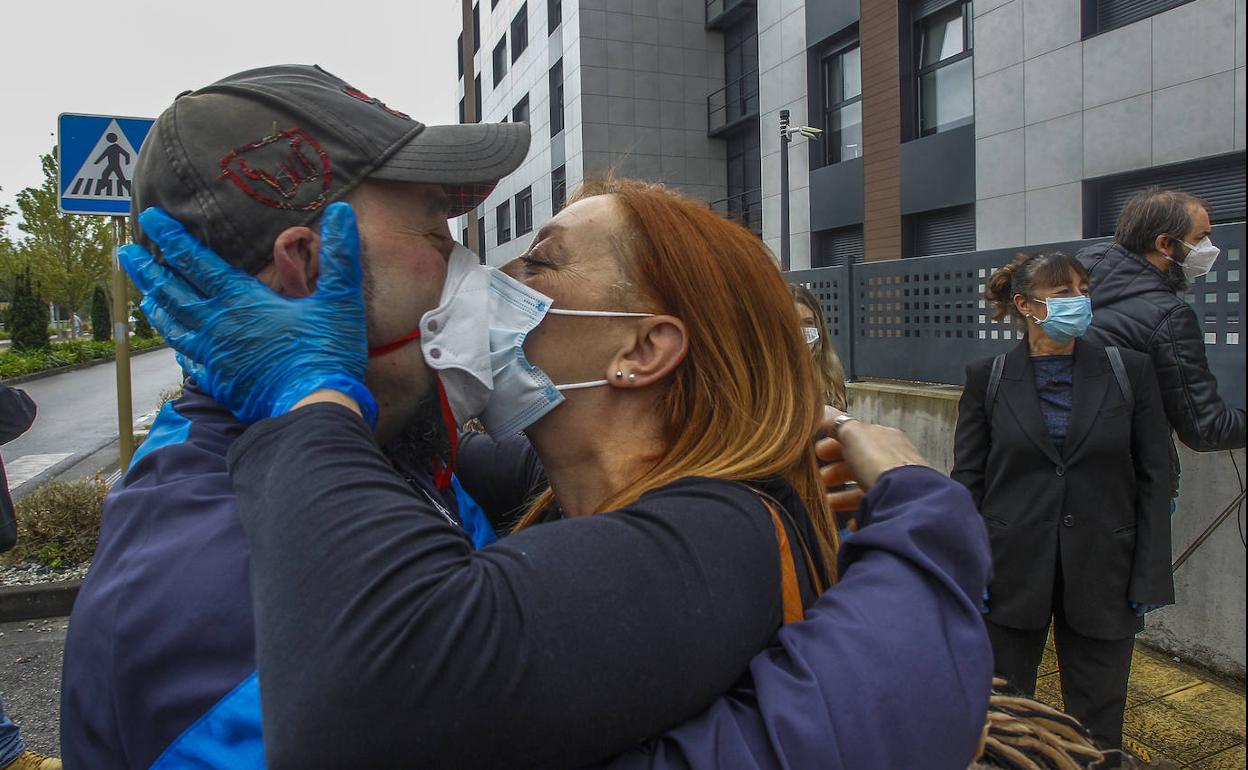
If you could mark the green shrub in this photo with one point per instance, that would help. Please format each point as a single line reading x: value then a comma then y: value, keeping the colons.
x: 101, y: 326
x: 15, y: 363
x: 142, y: 327
x: 58, y: 523
x: 28, y: 316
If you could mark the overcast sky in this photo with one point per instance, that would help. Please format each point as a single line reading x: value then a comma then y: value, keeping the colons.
x: 133, y: 58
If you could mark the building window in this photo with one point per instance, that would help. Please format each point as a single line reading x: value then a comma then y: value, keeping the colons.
x: 942, y: 231
x: 558, y: 189
x: 1104, y: 15
x: 1220, y: 182
x: 520, y: 32
x: 493, y: 4
x: 745, y: 181
x: 841, y: 75
x: 554, y: 15
x: 481, y: 237
x: 477, y: 96
x: 502, y: 222
x: 524, y: 211
x: 500, y: 61
x: 836, y: 248
x: 945, y: 69
x: 556, y: 98
x: 520, y: 113
x: 459, y: 56
x: 476, y: 28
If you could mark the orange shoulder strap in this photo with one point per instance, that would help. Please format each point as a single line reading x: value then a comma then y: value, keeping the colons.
x: 791, y: 594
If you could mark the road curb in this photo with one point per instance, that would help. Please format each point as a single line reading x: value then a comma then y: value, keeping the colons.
x: 52, y: 471
x: 73, y: 367
x: 45, y: 600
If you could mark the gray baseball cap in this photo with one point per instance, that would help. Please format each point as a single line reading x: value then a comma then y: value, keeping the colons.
x: 241, y: 160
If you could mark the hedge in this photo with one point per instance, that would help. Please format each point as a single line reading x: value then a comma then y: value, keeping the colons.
x: 68, y: 353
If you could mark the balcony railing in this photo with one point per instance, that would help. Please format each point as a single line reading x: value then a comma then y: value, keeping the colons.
x: 746, y: 208
x: 732, y: 104
x: 724, y: 13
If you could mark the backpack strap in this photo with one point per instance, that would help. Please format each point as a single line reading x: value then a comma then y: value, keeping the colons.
x: 790, y: 592
x: 1120, y: 374
x: 994, y: 384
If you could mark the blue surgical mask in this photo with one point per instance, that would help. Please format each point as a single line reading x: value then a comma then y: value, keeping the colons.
x: 522, y: 393
x: 1069, y: 317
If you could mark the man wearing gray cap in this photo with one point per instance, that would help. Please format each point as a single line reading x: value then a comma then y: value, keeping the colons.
x: 161, y: 638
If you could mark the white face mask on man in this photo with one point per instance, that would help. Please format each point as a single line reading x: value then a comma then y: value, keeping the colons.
x: 474, y: 340
x: 1199, y: 260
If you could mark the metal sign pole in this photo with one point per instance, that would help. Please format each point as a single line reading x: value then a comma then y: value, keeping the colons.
x: 121, y: 338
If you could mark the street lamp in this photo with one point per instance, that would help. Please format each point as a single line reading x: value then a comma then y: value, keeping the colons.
x: 786, y: 136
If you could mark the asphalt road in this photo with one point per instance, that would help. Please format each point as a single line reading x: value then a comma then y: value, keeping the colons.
x: 31, y: 652
x: 78, y: 412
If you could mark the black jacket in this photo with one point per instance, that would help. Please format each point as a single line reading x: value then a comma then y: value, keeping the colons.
x: 17, y: 414
x: 1102, y: 505
x: 1135, y: 308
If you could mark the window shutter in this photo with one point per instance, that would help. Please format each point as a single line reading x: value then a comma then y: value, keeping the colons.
x: 1112, y: 14
x: 945, y: 231
x: 837, y: 247
x: 1220, y: 184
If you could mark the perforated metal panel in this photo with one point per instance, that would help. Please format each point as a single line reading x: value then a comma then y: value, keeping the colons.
x: 925, y: 319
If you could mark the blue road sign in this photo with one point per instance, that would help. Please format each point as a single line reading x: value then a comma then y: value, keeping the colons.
x: 98, y: 154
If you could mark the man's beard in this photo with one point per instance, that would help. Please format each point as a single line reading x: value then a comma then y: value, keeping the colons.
x: 422, y: 439
x: 1176, y: 279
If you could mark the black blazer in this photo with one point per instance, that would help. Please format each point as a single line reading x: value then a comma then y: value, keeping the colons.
x: 1102, y: 504
x: 17, y: 413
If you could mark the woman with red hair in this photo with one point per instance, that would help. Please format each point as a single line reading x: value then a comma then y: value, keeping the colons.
x: 668, y: 520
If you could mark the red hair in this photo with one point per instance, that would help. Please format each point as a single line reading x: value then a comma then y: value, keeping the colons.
x: 744, y: 404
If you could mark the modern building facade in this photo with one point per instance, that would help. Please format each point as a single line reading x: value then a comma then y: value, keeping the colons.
x: 948, y: 126
x: 608, y: 88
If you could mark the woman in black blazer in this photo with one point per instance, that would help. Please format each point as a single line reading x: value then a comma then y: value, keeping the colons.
x: 1064, y: 446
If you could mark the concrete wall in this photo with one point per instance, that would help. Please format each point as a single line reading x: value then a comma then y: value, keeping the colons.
x: 1052, y: 110
x: 1206, y: 626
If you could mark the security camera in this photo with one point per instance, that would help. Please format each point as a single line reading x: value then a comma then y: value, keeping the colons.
x: 810, y: 132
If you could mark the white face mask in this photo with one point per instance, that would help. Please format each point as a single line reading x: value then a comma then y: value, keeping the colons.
x: 1200, y: 258
x: 812, y: 336
x: 475, y: 337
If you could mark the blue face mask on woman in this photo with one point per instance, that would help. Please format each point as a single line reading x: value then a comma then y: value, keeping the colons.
x: 1069, y: 317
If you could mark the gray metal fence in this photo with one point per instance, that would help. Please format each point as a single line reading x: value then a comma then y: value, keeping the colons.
x: 925, y: 319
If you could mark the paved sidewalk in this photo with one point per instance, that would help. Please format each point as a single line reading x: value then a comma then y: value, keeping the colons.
x: 1175, y: 713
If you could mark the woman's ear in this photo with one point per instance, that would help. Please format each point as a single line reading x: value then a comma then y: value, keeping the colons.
x: 1020, y: 304
x: 296, y: 262
x: 659, y: 346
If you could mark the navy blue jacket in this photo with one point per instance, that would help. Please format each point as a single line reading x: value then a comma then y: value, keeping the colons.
x: 160, y: 661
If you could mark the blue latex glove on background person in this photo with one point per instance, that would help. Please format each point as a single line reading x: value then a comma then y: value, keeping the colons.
x: 254, y: 351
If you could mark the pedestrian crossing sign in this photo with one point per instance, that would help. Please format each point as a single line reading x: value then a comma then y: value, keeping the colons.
x: 98, y: 154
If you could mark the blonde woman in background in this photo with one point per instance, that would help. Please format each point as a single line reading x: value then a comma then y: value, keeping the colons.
x: 831, y: 373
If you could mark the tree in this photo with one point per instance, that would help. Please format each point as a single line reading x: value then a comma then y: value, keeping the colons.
x: 12, y: 259
x: 101, y: 325
x: 69, y: 253
x: 142, y: 327
x: 28, y: 316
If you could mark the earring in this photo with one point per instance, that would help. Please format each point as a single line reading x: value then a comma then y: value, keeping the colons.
x: 632, y: 377
x: 619, y: 375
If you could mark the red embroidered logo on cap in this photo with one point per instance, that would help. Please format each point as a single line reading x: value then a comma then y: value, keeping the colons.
x: 287, y: 170
x: 356, y: 93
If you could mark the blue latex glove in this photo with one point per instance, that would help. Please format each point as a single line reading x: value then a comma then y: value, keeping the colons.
x: 254, y: 351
